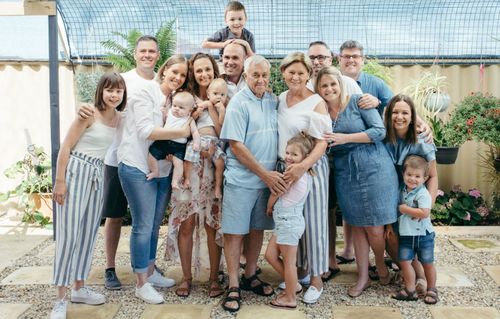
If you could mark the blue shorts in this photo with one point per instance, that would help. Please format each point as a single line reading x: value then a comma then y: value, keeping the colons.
x: 422, y: 246
x: 244, y: 209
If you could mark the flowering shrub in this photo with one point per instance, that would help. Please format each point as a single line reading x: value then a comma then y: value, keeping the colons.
x: 460, y: 208
x: 477, y: 117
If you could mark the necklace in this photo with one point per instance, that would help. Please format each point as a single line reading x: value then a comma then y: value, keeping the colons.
x: 334, y: 121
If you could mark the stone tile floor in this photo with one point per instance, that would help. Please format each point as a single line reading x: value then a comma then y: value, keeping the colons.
x: 467, y: 261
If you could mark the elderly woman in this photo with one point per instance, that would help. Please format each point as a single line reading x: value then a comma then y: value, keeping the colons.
x: 365, y: 178
x: 196, y: 208
x: 301, y: 110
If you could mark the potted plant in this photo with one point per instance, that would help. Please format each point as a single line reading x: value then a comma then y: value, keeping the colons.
x: 34, y: 192
x: 447, y: 145
x: 477, y: 117
x: 429, y: 94
x: 457, y: 207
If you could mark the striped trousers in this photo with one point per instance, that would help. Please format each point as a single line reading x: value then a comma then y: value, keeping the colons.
x: 78, y: 219
x: 313, y: 246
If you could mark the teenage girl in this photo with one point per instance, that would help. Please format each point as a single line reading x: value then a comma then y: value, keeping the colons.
x: 78, y: 193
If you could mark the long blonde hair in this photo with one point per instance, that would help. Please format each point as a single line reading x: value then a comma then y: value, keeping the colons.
x: 333, y: 71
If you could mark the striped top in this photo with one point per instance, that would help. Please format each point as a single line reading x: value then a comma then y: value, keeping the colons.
x: 252, y: 121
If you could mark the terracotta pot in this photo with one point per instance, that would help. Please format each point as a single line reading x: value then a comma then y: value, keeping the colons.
x: 437, y: 102
x: 43, y: 203
x: 446, y: 155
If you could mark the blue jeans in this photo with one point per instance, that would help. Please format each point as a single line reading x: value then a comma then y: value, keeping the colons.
x: 147, y: 201
x: 422, y: 246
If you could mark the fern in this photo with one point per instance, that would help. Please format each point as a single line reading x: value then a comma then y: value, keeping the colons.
x: 122, y: 57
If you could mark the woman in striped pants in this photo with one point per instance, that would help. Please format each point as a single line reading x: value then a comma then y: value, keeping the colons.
x: 301, y: 110
x: 78, y: 193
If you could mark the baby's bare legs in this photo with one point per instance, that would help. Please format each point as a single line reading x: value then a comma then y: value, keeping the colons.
x: 219, y: 175
x: 153, y: 167
x: 187, y: 174
x: 178, y: 170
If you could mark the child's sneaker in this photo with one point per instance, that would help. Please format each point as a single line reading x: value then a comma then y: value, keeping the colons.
x: 87, y: 296
x: 59, y: 310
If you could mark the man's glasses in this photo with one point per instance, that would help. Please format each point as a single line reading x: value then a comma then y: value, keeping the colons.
x: 348, y: 57
x: 321, y: 58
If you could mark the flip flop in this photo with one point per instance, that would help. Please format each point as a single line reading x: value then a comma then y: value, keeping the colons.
x: 276, y: 304
x: 333, y: 273
x: 342, y: 260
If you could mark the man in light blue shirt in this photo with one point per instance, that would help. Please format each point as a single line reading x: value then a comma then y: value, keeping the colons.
x: 251, y: 128
x: 351, y: 61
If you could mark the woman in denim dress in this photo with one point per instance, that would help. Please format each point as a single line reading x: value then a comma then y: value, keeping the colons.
x: 365, y: 179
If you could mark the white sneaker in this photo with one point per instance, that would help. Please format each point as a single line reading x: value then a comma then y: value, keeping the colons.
x: 87, y: 296
x: 149, y: 294
x: 306, y: 281
x: 157, y: 280
x: 312, y: 295
x: 59, y: 310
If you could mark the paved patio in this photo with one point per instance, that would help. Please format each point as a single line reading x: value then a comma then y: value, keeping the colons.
x: 468, y: 265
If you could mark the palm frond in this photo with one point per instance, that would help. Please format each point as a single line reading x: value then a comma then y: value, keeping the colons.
x: 166, y: 41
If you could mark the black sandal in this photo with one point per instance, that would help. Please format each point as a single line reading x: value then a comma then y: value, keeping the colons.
x: 332, y: 273
x: 408, y: 296
x: 432, y: 293
x: 246, y: 284
x: 372, y: 273
x: 231, y: 299
x: 258, y: 270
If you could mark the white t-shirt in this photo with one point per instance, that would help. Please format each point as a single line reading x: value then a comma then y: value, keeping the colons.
x: 350, y: 86
x: 134, y: 82
x: 300, y: 117
x: 143, y: 115
x: 176, y: 122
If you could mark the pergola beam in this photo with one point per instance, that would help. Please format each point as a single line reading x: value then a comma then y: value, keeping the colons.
x: 28, y: 8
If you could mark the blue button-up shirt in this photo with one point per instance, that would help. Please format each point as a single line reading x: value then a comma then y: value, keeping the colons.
x: 376, y: 87
x: 252, y: 121
x: 417, y: 198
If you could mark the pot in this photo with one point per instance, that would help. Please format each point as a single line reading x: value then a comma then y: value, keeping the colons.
x: 446, y: 155
x: 437, y: 102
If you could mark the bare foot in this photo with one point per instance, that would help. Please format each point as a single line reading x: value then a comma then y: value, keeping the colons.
x: 186, y: 184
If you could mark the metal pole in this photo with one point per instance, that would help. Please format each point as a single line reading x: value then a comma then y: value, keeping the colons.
x: 54, y: 104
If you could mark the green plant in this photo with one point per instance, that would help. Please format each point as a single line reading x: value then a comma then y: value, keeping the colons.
x: 460, y: 208
x: 373, y: 67
x: 441, y: 131
x: 276, y: 81
x: 122, y: 57
x: 422, y: 88
x: 86, y: 84
x: 477, y: 117
x: 34, y: 170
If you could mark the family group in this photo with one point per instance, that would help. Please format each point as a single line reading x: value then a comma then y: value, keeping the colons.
x: 227, y: 156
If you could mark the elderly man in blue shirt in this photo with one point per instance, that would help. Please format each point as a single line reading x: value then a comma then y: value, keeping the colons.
x: 251, y: 128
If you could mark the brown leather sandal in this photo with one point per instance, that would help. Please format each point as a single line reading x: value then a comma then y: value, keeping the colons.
x: 184, y: 292
x: 214, y: 289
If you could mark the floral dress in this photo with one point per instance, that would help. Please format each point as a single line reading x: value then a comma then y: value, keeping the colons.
x: 200, y: 200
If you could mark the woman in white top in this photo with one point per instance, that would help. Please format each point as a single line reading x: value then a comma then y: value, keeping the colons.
x: 302, y: 110
x: 78, y: 193
x: 148, y: 199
